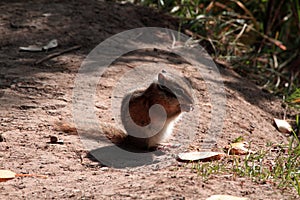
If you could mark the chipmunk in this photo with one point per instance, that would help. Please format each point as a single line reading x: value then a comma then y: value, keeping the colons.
x: 146, y: 130
x: 171, y: 92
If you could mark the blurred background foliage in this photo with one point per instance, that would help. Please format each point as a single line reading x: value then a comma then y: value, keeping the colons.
x: 260, y: 39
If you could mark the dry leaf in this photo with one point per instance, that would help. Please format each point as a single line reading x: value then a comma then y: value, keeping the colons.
x: 283, y: 126
x: 34, y: 48
x: 225, y: 197
x: 6, y: 175
x: 238, y: 148
x: 203, y: 156
x: 52, y: 44
x: 297, y: 100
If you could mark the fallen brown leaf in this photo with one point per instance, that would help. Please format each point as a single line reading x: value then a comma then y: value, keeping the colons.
x: 202, y: 156
x: 238, y: 148
x: 283, y: 126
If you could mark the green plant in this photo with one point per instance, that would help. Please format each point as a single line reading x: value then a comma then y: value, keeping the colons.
x: 294, y: 98
x: 259, y: 38
x: 277, y: 164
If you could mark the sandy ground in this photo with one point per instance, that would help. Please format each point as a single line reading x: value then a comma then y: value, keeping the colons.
x: 35, y: 96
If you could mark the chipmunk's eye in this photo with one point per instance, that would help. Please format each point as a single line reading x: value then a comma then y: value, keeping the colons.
x: 162, y: 87
x: 166, y: 90
x: 179, y: 92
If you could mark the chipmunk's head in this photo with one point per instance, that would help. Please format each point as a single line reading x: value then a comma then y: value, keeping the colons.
x: 178, y: 87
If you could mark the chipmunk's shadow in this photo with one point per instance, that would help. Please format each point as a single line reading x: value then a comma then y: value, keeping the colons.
x: 125, y: 156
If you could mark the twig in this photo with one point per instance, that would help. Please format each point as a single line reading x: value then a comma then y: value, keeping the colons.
x: 174, y: 41
x: 240, y: 33
x: 272, y: 40
x: 30, y: 175
x: 48, y: 57
x: 130, y: 66
x: 241, y: 5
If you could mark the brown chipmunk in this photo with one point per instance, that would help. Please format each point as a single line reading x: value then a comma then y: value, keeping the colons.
x: 147, y: 128
x: 148, y: 115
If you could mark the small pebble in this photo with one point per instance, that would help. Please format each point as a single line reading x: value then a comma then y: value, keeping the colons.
x: 53, y: 139
x: 2, y: 138
x: 104, y: 169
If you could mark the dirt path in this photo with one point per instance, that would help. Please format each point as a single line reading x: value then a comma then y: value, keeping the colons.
x: 33, y: 97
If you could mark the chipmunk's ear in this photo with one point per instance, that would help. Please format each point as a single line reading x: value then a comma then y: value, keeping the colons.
x: 162, y: 77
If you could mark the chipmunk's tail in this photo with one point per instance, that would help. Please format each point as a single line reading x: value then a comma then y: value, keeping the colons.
x: 65, y: 127
x: 113, y: 134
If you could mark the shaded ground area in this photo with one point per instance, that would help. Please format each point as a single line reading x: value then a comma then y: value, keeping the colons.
x: 34, y: 97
